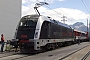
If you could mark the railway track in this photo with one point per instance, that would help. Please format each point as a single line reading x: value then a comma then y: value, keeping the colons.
x: 76, y: 52
x: 51, y: 55
x: 13, y: 56
x: 85, y: 57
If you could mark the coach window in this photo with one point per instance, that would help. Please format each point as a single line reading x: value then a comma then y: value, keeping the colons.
x: 82, y: 34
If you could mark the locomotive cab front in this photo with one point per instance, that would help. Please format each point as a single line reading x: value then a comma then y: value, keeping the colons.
x: 26, y: 31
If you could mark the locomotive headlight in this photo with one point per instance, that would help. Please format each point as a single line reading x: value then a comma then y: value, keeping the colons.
x: 17, y: 40
x: 36, y: 34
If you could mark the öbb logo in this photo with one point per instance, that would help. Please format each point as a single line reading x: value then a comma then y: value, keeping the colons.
x: 23, y: 36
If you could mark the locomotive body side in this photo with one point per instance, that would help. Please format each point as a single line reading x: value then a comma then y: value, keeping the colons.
x: 52, y: 33
x: 36, y: 32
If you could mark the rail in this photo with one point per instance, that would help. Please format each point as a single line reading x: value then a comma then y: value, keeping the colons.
x: 86, y: 56
x: 74, y: 53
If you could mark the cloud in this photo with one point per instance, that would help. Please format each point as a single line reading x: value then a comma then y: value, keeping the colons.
x: 72, y: 15
x: 61, y: 0
x: 49, y: 1
x: 23, y: 1
x: 27, y: 10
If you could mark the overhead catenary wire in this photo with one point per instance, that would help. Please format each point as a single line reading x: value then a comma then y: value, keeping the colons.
x: 54, y: 10
x: 65, y: 12
x: 86, y: 6
x: 61, y: 15
x: 51, y: 8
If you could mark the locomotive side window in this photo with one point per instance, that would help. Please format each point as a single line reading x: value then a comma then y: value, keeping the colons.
x: 83, y: 34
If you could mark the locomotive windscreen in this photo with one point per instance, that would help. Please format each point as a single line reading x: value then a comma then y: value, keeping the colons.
x: 26, y: 27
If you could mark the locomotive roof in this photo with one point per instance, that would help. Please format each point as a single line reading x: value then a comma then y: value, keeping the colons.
x: 51, y: 20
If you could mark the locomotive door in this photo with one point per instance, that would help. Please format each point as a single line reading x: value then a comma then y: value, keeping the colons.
x: 45, y: 30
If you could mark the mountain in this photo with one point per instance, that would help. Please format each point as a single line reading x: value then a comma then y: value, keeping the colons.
x: 79, y: 26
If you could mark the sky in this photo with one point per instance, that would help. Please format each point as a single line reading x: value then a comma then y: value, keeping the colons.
x: 74, y: 10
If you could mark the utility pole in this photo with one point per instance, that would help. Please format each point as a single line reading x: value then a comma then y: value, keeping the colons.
x: 87, y: 25
x: 87, y: 30
x: 63, y: 19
